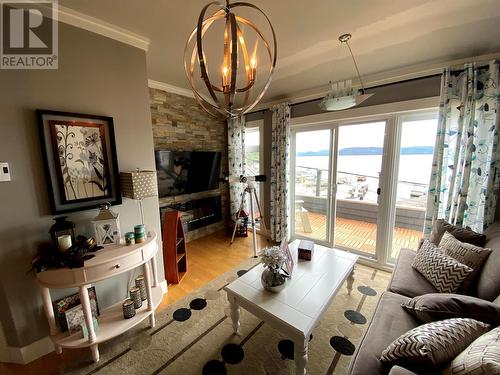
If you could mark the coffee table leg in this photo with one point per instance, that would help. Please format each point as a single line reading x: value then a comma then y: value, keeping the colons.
x: 235, y: 313
x: 300, y: 355
x: 350, y: 282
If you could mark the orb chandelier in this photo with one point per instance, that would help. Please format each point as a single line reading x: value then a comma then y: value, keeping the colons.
x: 240, y: 74
x: 342, y: 95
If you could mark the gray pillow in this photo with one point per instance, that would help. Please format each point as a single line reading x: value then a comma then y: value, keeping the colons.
x: 460, y: 233
x: 481, y: 357
x: 466, y: 253
x: 434, y: 344
x: 442, y: 271
x: 438, y: 306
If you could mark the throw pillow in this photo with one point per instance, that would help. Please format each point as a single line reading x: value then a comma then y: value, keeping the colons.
x: 462, y: 234
x: 438, y: 306
x: 434, y: 344
x: 470, y: 255
x: 442, y: 271
x: 481, y: 357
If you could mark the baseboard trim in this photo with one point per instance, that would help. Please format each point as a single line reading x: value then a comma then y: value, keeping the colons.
x: 28, y: 353
x: 164, y: 286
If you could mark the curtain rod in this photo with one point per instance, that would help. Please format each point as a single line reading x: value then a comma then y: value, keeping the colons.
x: 455, y: 67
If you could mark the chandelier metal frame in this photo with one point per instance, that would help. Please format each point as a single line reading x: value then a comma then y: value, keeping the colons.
x: 233, y: 41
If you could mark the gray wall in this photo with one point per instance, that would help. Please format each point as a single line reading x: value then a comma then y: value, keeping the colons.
x: 96, y: 75
x: 396, y: 92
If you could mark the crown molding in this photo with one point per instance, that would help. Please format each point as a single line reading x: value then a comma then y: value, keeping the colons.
x: 95, y: 25
x: 170, y: 88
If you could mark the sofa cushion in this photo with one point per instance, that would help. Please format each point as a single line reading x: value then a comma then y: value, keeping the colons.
x: 481, y: 357
x: 406, y: 280
x: 466, y: 253
x: 388, y: 322
x: 488, y: 283
x: 434, y: 344
x: 442, y: 271
x: 460, y: 233
x: 398, y: 370
x: 438, y: 306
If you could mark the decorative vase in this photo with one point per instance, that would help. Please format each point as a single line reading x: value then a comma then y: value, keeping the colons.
x: 273, y: 280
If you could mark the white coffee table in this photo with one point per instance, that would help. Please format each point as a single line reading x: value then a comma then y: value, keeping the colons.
x: 297, y: 309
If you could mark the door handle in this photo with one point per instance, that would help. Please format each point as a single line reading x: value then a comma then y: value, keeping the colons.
x: 379, y: 190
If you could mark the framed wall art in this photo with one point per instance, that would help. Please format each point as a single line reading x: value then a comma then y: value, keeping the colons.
x: 79, y: 154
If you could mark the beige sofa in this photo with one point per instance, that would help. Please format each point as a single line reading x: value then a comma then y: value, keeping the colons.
x: 390, y: 320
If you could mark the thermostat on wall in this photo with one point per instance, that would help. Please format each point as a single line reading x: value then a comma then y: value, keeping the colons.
x: 4, y: 172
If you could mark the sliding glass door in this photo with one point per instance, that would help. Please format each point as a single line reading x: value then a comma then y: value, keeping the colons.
x: 311, y: 185
x: 362, y: 186
x: 416, y: 147
x: 359, y: 166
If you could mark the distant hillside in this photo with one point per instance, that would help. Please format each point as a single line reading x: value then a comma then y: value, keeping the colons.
x: 415, y: 150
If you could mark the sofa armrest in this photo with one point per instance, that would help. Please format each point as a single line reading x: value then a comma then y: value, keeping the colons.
x: 398, y: 370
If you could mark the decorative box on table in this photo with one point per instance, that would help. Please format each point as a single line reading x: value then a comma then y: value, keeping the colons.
x: 306, y: 249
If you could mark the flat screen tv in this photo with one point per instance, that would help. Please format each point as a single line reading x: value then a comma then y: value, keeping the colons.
x: 186, y: 172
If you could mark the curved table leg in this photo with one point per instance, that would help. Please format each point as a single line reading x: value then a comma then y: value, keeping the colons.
x: 300, y: 355
x: 235, y: 313
x: 49, y: 313
x: 147, y: 279
x: 350, y: 282
x: 87, y: 313
x: 95, y: 353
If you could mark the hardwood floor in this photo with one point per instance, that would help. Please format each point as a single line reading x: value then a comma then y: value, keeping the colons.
x: 208, y: 257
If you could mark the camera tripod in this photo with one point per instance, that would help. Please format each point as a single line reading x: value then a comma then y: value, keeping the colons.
x: 250, y: 190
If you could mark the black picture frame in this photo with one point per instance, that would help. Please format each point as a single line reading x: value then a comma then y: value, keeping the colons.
x: 79, y: 156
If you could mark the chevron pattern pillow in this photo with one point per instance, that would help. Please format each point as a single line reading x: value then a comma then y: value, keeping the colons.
x: 434, y: 344
x: 481, y: 357
x: 470, y: 255
x: 441, y: 270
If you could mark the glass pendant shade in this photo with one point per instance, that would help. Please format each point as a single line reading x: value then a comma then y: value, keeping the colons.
x: 342, y: 95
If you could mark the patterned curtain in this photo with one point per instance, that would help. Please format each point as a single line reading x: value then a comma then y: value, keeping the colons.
x: 236, y: 159
x: 280, y: 170
x: 464, y: 180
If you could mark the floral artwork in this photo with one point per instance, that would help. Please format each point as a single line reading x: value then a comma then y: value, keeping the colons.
x: 79, y: 156
x: 82, y: 169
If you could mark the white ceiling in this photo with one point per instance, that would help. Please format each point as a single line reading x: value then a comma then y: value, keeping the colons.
x: 387, y: 35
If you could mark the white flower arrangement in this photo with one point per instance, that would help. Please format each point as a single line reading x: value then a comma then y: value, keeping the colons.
x: 272, y: 257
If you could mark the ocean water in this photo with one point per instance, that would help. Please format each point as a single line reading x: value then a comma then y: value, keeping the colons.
x: 414, y: 171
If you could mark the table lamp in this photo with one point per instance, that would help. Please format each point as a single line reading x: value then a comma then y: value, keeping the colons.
x: 138, y: 185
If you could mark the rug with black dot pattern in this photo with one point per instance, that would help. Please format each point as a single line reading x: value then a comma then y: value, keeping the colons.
x: 195, y: 335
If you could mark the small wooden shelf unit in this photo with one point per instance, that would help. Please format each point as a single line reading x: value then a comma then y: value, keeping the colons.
x: 174, y: 247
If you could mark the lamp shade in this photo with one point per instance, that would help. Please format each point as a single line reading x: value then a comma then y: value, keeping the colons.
x: 139, y: 184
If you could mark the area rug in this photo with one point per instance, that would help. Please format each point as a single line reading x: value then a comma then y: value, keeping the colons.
x: 194, y: 336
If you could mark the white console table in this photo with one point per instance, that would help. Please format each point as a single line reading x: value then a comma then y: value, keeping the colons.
x: 108, y: 262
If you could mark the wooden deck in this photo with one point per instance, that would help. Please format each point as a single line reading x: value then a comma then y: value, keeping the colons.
x: 356, y: 234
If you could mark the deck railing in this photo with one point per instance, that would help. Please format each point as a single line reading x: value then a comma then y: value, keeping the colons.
x: 320, y: 183
x: 361, y: 205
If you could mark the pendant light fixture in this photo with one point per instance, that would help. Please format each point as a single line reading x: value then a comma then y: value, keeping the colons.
x: 240, y: 74
x: 342, y: 95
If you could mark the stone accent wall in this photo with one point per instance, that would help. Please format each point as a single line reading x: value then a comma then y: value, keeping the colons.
x: 180, y: 124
